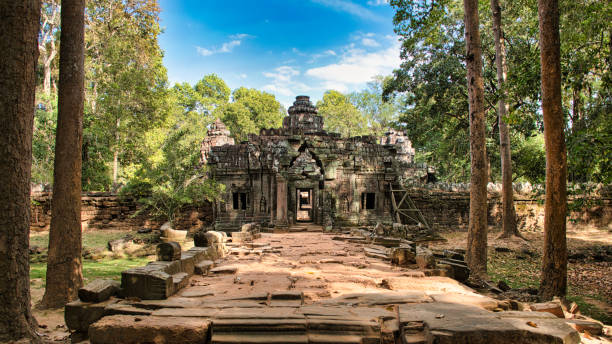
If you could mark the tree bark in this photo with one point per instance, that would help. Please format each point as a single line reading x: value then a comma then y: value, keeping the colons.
x: 508, y: 213
x: 64, y: 276
x: 477, y: 234
x: 18, y: 58
x: 554, y: 258
x: 116, y: 154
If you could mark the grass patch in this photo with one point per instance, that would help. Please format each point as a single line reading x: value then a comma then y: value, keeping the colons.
x: 109, y: 269
x: 91, y: 240
x: 517, y: 273
x: 589, y: 309
x: 525, y: 273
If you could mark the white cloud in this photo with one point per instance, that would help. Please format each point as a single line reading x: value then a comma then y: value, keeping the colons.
x: 226, y: 47
x: 330, y: 52
x: 283, y: 81
x: 204, y: 51
x: 243, y: 76
x: 351, y: 8
x: 378, y: 2
x: 357, y: 66
x: 369, y: 42
x: 326, y: 53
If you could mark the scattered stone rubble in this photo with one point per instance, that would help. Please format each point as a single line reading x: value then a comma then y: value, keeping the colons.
x: 156, y: 281
x: 204, y: 314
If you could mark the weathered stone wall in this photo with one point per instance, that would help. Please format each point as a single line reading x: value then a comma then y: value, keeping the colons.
x: 444, y: 210
x: 104, y: 211
x: 450, y: 210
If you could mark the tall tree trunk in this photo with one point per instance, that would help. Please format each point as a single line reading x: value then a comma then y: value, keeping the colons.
x: 48, y: 59
x: 477, y: 235
x: 64, y: 276
x: 116, y: 154
x: 508, y: 213
x: 554, y: 258
x: 18, y: 58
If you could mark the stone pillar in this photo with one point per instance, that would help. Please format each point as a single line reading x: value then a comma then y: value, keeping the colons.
x: 281, y: 201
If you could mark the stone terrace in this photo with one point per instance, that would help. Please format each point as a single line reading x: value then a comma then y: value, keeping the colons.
x: 308, y: 288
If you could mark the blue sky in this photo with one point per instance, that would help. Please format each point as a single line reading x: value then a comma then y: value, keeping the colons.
x: 285, y: 47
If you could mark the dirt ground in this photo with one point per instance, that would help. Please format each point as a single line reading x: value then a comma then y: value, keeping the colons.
x: 589, y: 252
x: 324, y: 268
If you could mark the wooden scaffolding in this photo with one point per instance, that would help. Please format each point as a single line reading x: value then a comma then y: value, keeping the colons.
x: 405, y: 211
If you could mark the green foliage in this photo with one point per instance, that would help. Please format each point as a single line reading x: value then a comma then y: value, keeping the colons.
x: 250, y: 111
x: 529, y: 159
x: 126, y: 83
x: 432, y: 78
x: 238, y: 119
x: 43, y: 142
x: 380, y: 115
x: 172, y: 176
x: 213, y: 89
x: 341, y: 116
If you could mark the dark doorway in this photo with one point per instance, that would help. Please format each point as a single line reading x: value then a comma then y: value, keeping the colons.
x: 304, y: 205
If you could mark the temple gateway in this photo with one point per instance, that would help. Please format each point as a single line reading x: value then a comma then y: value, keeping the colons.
x: 301, y: 173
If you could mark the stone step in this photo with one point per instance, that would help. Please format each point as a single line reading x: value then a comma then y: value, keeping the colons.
x: 259, y: 338
x: 203, y: 267
x: 258, y: 325
x: 180, y: 280
x: 334, y: 338
x: 146, y: 329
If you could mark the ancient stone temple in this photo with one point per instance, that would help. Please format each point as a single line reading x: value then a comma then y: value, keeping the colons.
x: 301, y: 173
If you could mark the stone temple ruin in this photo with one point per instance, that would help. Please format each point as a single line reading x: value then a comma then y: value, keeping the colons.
x: 311, y: 286
x: 302, y: 173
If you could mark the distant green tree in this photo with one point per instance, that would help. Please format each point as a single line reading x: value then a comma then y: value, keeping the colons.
x: 43, y: 143
x: 237, y: 118
x: 172, y: 175
x: 380, y: 115
x: 250, y: 111
x: 341, y: 116
x: 126, y: 80
x: 213, y: 89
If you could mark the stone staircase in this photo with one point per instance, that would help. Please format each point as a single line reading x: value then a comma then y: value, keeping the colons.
x: 305, y: 227
x: 362, y: 318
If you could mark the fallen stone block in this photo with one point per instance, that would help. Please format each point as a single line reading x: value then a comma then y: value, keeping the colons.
x: 458, y: 271
x: 456, y: 323
x: 168, y: 251
x: 149, y: 329
x: 200, y: 240
x: 425, y: 259
x: 224, y: 270
x: 99, y: 290
x: 402, y: 256
x: 170, y: 268
x: 180, y: 281
x: 387, y: 241
x: 593, y: 327
x: 79, y: 315
x: 203, y: 267
x: 146, y: 283
x: 187, y: 263
x: 549, y: 307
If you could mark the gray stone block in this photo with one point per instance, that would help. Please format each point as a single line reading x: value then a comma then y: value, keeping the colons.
x: 99, y: 290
